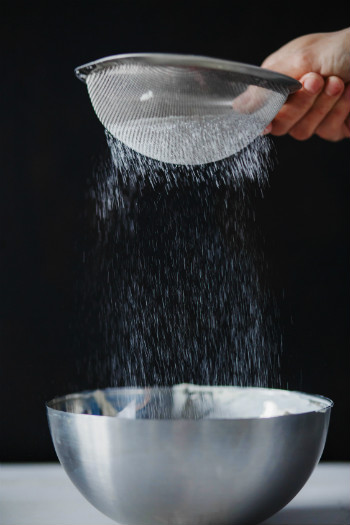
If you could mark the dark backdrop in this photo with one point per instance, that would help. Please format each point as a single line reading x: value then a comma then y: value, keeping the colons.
x: 50, y: 139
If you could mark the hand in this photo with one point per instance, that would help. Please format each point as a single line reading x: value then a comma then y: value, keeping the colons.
x: 321, y: 62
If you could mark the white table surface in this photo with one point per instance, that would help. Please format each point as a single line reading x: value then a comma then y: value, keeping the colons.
x: 42, y: 494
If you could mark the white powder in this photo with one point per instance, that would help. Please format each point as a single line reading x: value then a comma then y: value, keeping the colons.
x: 146, y: 96
x: 177, y: 280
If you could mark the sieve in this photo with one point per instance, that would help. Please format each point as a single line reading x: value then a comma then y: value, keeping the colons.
x: 184, y: 109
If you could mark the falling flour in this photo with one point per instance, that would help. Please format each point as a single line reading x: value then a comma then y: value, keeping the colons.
x: 177, y: 279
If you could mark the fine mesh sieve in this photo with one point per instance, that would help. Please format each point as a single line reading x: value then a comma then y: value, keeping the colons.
x: 184, y: 109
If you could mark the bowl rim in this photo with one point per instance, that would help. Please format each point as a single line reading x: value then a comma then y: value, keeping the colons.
x: 327, y: 404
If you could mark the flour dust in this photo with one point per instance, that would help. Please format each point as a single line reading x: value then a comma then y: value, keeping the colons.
x: 177, y: 281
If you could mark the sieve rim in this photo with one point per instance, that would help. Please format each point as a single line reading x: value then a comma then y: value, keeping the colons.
x: 253, y: 74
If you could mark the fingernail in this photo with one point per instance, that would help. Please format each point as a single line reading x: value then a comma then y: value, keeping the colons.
x: 267, y: 129
x: 312, y: 83
x: 334, y: 86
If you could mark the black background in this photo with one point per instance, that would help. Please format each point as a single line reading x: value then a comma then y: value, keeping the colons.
x: 50, y: 139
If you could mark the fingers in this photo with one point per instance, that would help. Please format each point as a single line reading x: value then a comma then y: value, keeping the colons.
x: 336, y: 125
x: 321, y: 107
x: 248, y: 101
x: 298, y: 104
x: 251, y: 100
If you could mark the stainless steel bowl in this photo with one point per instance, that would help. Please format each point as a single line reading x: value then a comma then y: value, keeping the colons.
x: 177, y: 456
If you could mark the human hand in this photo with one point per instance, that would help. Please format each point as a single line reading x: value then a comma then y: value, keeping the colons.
x: 321, y: 62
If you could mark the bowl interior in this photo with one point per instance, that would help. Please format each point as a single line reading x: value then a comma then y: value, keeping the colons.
x: 190, y: 402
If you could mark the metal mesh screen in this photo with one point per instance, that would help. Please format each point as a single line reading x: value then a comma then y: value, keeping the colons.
x: 183, y: 114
